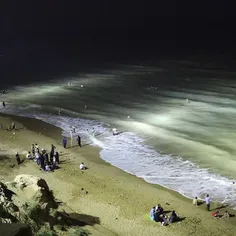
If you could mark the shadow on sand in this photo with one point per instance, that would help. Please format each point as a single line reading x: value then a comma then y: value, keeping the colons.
x: 75, y: 219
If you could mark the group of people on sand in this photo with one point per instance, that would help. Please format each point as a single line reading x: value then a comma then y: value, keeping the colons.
x: 158, y: 214
x: 47, y: 162
x: 216, y: 214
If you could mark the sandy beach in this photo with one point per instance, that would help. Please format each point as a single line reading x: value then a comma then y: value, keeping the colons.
x: 112, y: 201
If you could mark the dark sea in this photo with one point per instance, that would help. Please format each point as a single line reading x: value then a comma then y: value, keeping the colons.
x: 176, y: 120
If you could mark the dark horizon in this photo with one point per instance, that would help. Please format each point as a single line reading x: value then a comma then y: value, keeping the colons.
x: 63, y: 34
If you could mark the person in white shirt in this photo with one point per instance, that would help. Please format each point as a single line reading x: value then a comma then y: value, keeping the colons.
x: 207, y: 201
x: 82, y: 166
x: 29, y: 156
x: 47, y: 167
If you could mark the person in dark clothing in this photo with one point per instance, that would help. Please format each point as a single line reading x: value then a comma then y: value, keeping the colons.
x: 173, y: 217
x: 3, y: 104
x: 79, y: 141
x: 160, y: 209
x: 33, y: 150
x: 18, y: 158
x: 45, y: 156
x: 41, y: 158
x: 64, y: 141
x: 52, y: 153
x: 57, y: 157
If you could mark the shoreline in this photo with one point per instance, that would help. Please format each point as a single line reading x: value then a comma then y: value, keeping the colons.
x: 117, y: 178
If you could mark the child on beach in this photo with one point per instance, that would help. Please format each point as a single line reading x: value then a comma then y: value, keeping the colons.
x: 207, y: 201
x: 195, y: 202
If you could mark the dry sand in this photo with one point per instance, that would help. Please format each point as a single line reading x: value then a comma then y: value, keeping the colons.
x: 116, y: 202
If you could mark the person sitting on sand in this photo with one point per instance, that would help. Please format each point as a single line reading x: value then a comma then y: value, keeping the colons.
x: 215, y: 214
x: 82, y: 166
x: 18, y: 158
x: 29, y: 156
x: 173, y: 217
x: 226, y: 215
x: 195, y: 201
x: 165, y: 221
x: 47, y: 167
x: 152, y: 213
x: 159, y: 209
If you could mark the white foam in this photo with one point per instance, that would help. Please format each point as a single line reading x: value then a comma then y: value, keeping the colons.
x: 129, y: 152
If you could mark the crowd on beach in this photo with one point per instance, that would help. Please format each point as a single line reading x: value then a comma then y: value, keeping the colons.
x: 47, y: 162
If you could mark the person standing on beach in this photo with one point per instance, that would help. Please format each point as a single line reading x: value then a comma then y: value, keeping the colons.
x: 33, y: 150
x: 52, y: 153
x: 13, y: 125
x: 18, y: 158
x: 207, y: 201
x: 64, y: 141
x: 3, y: 104
x: 195, y: 201
x: 57, y: 158
x: 79, y: 141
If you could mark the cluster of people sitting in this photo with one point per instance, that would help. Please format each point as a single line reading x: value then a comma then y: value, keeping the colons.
x: 47, y: 162
x: 217, y: 214
x: 157, y: 214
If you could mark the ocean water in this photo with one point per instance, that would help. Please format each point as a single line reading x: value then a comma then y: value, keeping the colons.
x: 184, y: 145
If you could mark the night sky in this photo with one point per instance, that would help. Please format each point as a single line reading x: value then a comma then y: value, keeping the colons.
x: 64, y: 32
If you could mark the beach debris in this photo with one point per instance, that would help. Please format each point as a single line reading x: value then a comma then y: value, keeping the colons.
x: 81, y: 85
x: 14, y: 133
x: 167, y: 203
x: 128, y: 117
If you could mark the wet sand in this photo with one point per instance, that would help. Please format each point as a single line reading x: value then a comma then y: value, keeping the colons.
x: 112, y: 201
